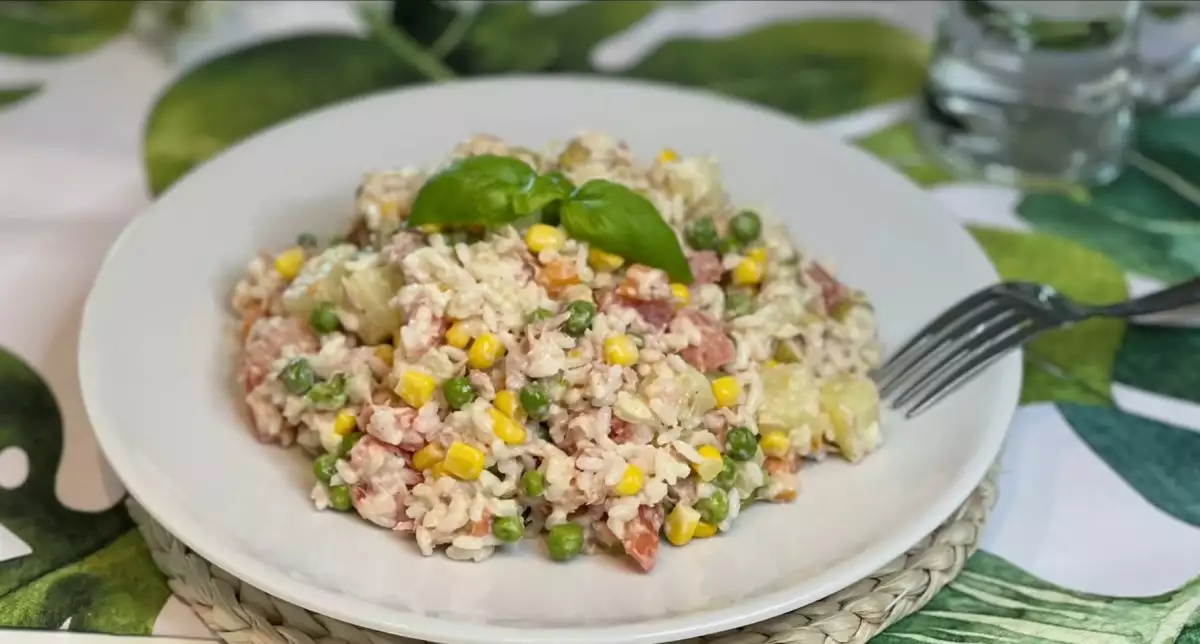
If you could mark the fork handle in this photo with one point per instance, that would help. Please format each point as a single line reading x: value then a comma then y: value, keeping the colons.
x: 1168, y: 299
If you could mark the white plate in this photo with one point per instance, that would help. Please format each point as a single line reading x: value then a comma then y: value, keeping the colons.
x: 156, y: 373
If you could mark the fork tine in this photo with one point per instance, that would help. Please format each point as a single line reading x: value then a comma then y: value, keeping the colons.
x: 965, y: 327
x: 950, y: 380
x: 958, y: 349
x: 939, y: 323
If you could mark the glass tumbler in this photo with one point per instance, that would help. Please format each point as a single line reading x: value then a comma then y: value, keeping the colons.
x: 1045, y: 91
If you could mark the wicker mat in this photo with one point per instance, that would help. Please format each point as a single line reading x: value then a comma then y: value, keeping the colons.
x: 242, y: 614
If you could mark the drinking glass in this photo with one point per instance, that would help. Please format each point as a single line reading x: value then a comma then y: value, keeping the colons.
x: 1022, y: 90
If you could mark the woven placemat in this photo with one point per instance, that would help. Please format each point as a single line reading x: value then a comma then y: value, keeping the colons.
x: 242, y: 614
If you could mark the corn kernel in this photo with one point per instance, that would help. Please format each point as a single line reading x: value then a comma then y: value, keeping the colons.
x: 604, y: 262
x: 439, y: 470
x: 758, y: 254
x: 680, y: 295
x: 457, y: 336
x: 705, y: 530
x: 748, y: 272
x: 386, y: 353
x: 541, y: 237
x: 416, y: 388
x: 775, y: 443
x: 485, y: 351
x: 344, y: 423
x: 620, y: 350
x: 710, y: 464
x: 668, y: 156
x: 727, y: 391
x: 631, y: 481
x: 772, y: 362
x: 463, y: 461
x: 505, y: 428
x: 506, y: 401
x: 289, y: 262
x: 430, y: 229
x: 681, y: 525
x: 428, y: 456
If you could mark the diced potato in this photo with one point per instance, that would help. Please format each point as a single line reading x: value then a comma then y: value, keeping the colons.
x: 687, y: 392
x: 698, y: 396
x: 352, y: 282
x: 368, y: 293
x: 852, y: 404
x: 791, y: 400
x: 319, y: 281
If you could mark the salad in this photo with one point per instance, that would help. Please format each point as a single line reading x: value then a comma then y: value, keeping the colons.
x: 567, y: 345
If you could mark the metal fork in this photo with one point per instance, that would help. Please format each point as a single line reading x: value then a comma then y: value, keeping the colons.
x: 977, y: 331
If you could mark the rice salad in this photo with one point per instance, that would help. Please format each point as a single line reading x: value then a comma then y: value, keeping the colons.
x: 510, y: 347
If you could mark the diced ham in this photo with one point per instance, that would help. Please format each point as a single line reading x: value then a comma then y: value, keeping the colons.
x: 641, y: 536
x: 267, y: 419
x: 715, y: 350
x: 482, y: 527
x: 656, y: 313
x: 644, y: 283
x: 265, y: 343
x: 833, y: 292
x: 381, y: 478
x: 392, y: 425
x: 706, y: 266
x: 620, y: 431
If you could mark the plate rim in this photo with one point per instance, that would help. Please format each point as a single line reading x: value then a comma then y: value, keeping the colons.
x: 269, y: 579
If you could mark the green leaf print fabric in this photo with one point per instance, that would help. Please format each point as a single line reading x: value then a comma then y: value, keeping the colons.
x: 90, y: 567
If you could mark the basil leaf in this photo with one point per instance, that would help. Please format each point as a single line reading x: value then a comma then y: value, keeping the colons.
x: 618, y: 220
x: 541, y: 192
x: 476, y: 190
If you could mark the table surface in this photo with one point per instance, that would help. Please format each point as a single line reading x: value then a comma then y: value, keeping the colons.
x: 1100, y: 485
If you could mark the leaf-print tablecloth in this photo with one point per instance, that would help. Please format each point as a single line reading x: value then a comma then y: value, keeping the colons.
x: 1097, y: 536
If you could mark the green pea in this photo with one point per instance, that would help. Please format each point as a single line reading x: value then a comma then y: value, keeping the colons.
x: 738, y: 303
x: 728, y: 476
x: 729, y: 245
x: 324, y: 467
x: 329, y: 395
x: 459, y: 392
x: 701, y: 234
x: 740, y: 444
x: 581, y: 313
x: 324, y: 318
x: 534, y: 401
x: 540, y: 315
x: 307, y: 240
x: 349, y: 441
x: 564, y: 541
x: 745, y: 226
x: 533, y: 483
x: 297, y: 377
x: 508, y: 529
x: 715, y: 508
x: 339, y: 498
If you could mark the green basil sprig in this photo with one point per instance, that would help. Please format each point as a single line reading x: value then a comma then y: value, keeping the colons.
x: 492, y: 191
x: 479, y: 190
x: 618, y: 220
